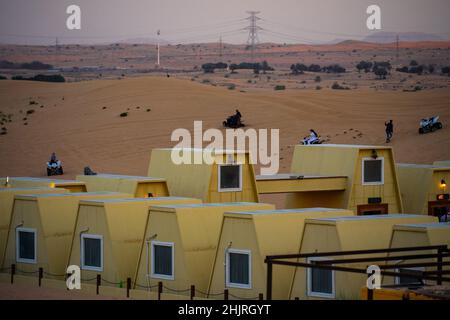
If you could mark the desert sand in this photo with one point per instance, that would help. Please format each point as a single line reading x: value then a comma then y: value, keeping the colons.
x: 80, y: 121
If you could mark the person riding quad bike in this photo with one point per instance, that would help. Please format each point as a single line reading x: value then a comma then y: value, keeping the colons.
x: 234, y: 121
x: 313, y: 138
x: 54, y: 166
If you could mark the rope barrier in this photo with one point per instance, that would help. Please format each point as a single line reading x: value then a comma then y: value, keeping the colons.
x: 54, y: 275
x: 209, y: 294
x: 242, y: 298
x: 175, y: 290
x: 145, y: 287
x: 113, y: 283
x: 88, y: 280
x: 27, y: 272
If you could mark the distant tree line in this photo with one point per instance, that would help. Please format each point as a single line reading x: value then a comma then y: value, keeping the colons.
x: 42, y: 77
x: 415, y: 68
x: 256, y: 67
x: 300, y: 68
x: 380, y: 68
x: 35, y: 65
x: 3, y: 77
x: 210, y: 67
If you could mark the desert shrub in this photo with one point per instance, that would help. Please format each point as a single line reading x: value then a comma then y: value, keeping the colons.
x: 337, y: 86
x: 124, y: 114
x: 298, y: 68
x: 314, y: 68
x: 445, y: 70
x: 3, y: 77
x: 42, y: 77
x: 231, y: 86
x: 317, y: 79
x: 381, y: 73
x: 280, y: 87
x: 364, y: 65
x: 31, y: 111
x: 318, y: 88
x: 413, y: 63
x: 334, y: 68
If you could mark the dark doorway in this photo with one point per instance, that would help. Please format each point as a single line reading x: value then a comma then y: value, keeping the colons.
x: 372, y: 209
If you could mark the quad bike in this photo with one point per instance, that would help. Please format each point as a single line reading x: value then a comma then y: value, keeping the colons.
x: 310, y: 140
x: 233, y: 122
x: 54, y: 168
x: 429, y: 125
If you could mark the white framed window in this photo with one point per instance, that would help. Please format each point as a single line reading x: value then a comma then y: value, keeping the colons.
x: 238, y: 269
x: 229, y: 177
x: 91, y: 252
x: 373, y: 171
x: 26, y: 245
x: 409, y: 280
x: 320, y: 282
x: 162, y: 260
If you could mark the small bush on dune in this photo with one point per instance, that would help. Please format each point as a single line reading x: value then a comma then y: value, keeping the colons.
x: 124, y: 114
x: 280, y: 87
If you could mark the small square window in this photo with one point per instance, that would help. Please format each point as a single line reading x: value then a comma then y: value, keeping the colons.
x: 162, y: 260
x: 373, y: 171
x: 238, y: 268
x: 320, y: 282
x: 230, y: 178
x: 92, y: 252
x: 26, y: 245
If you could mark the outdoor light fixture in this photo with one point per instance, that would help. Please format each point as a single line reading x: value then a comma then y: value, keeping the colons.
x: 374, y: 154
x: 443, y: 184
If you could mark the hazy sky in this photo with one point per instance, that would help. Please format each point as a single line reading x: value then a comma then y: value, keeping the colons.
x: 182, y: 21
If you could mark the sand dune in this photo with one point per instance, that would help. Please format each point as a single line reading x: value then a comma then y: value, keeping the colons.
x: 81, y: 123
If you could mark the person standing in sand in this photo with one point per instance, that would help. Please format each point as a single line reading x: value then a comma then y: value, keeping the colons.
x: 389, y: 130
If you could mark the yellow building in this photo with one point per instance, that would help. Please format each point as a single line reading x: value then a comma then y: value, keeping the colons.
x: 425, y: 189
x: 230, y: 177
x: 6, y: 205
x: 418, y: 235
x: 180, y: 244
x: 41, y: 230
x: 371, y: 185
x: 108, y: 236
x: 140, y: 187
x: 246, y: 239
x: 26, y: 182
x: 343, y: 234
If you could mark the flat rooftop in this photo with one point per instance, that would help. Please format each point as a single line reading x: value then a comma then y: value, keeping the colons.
x: 368, y: 218
x: 293, y: 176
x: 424, y: 166
x: 350, y: 146
x: 205, y: 205
x: 125, y: 177
x: 423, y: 226
x: 68, y: 194
x: 24, y: 189
x: 56, y: 181
x: 285, y: 211
x: 120, y: 200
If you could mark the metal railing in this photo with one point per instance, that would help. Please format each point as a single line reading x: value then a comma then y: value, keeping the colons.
x: 438, y: 275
